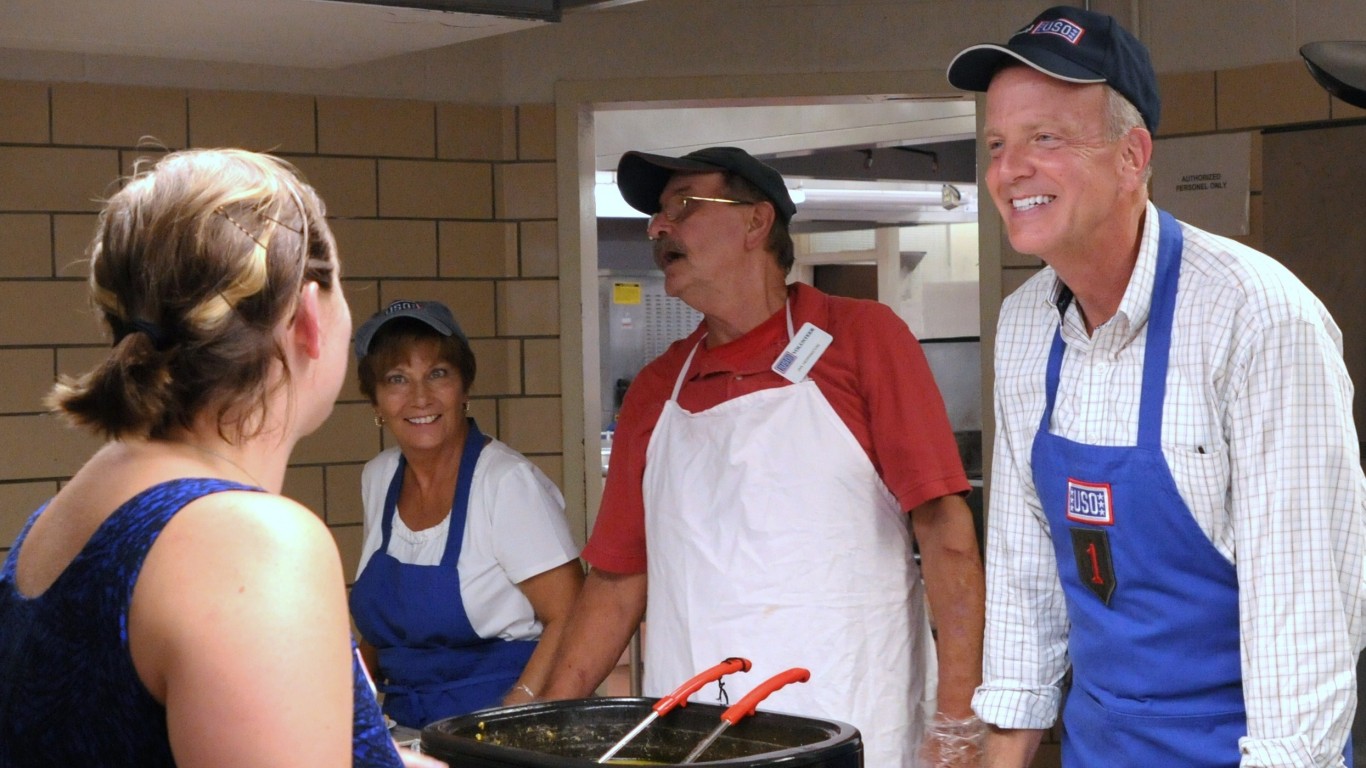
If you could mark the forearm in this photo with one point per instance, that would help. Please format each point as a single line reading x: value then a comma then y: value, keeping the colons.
x: 1024, y: 656
x: 958, y: 633
x: 956, y: 590
x: 534, y: 676
x: 601, y: 623
x: 552, y: 595
x: 1011, y: 748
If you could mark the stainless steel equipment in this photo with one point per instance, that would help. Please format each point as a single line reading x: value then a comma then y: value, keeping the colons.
x: 637, y: 321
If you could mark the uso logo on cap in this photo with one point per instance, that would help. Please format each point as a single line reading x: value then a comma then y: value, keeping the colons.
x: 1089, y: 502
x: 401, y: 306
x: 1060, y: 27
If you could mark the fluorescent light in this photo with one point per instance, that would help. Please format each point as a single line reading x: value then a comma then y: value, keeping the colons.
x: 886, y: 201
x: 610, y: 203
x: 836, y: 200
x: 872, y: 199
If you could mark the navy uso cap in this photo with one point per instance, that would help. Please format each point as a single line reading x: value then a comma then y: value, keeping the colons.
x: 641, y: 177
x: 433, y: 313
x: 1071, y: 44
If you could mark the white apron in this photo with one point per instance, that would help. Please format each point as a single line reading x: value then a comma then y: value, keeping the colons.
x: 771, y: 537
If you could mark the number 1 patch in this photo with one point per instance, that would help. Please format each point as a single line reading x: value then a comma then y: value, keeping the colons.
x: 1091, y: 547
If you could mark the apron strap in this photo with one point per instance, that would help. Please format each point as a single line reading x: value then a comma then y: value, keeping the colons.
x: 1159, y: 339
x: 683, y: 374
x: 386, y: 524
x: 687, y: 364
x: 460, y: 507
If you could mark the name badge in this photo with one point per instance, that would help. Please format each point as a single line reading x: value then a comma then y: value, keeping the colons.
x: 801, y: 354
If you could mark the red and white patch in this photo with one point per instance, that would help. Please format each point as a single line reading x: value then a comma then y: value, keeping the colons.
x: 1089, y: 502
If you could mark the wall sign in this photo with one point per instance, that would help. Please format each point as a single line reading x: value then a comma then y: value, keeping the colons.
x: 1205, y: 180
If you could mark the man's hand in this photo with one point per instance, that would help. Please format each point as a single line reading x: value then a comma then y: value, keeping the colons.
x: 953, y: 743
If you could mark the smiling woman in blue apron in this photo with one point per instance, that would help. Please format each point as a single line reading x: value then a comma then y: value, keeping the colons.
x: 468, y: 568
x: 1177, y: 493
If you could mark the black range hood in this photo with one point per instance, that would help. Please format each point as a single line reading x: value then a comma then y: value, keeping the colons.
x: 1340, y: 67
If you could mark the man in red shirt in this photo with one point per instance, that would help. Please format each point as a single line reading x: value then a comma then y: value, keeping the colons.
x: 760, y: 478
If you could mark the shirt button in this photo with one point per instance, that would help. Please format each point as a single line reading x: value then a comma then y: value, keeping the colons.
x: 739, y: 378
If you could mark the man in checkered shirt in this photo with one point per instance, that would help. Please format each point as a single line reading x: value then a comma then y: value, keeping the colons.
x: 1176, y: 510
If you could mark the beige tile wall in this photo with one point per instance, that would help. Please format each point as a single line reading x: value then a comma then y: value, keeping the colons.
x: 448, y: 201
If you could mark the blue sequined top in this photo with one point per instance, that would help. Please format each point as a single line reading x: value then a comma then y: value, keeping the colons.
x: 69, y: 694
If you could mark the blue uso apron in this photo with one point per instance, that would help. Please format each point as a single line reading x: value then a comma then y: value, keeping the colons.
x: 1154, y: 642
x: 432, y: 664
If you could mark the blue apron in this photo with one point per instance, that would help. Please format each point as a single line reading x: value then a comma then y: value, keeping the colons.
x: 432, y: 664
x: 1154, y: 641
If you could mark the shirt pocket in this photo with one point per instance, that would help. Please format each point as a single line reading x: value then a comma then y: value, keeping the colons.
x: 1201, y: 474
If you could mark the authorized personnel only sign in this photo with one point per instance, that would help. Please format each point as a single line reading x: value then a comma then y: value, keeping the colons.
x: 1205, y: 180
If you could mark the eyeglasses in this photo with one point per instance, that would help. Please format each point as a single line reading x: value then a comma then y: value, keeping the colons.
x: 679, y: 207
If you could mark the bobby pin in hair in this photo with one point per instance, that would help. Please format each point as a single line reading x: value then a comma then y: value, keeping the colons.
x: 219, y: 210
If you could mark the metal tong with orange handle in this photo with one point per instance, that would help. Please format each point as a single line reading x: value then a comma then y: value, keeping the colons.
x: 746, y: 706
x: 679, y: 698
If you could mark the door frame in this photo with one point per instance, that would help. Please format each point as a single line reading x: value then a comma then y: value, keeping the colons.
x: 576, y: 102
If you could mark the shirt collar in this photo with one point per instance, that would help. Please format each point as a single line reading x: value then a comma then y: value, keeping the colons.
x: 1138, y: 297
x: 1133, y: 309
x: 755, y: 351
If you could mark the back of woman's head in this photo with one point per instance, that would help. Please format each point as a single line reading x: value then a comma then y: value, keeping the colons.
x: 194, y: 264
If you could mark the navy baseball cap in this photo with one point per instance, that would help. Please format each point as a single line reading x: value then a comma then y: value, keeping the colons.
x: 641, y: 176
x: 1071, y: 44
x: 433, y: 313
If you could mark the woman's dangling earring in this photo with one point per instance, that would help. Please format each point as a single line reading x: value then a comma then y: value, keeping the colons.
x: 467, y: 407
x: 379, y: 420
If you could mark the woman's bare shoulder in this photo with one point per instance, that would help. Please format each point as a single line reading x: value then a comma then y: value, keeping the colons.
x: 250, y: 525
x: 233, y: 574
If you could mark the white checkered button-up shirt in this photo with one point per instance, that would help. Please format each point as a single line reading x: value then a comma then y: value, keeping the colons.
x: 1258, y: 433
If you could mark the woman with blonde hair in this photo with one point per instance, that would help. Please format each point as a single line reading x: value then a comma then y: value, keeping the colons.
x: 168, y: 606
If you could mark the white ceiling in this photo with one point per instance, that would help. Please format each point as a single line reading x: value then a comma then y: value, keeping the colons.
x: 316, y: 34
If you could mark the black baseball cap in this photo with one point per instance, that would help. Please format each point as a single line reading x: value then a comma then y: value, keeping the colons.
x: 433, y: 313
x: 641, y: 176
x: 1071, y: 44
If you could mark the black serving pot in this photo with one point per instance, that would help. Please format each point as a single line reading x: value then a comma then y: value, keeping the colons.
x: 564, y: 734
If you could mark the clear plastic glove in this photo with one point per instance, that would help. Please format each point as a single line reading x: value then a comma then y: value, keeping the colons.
x: 953, y: 743
x: 414, y: 759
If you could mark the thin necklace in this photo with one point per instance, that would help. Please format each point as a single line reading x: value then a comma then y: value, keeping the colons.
x: 221, y: 457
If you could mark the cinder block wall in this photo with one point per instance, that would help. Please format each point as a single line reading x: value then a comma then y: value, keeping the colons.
x: 428, y: 200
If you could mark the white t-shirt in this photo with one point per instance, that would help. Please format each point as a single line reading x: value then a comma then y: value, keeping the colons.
x: 515, y: 529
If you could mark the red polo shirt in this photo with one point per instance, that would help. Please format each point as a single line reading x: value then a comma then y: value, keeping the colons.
x: 874, y: 375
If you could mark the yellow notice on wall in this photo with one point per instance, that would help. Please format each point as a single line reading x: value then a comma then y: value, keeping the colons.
x: 625, y: 293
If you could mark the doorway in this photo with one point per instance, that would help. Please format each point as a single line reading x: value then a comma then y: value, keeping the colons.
x: 580, y: 107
